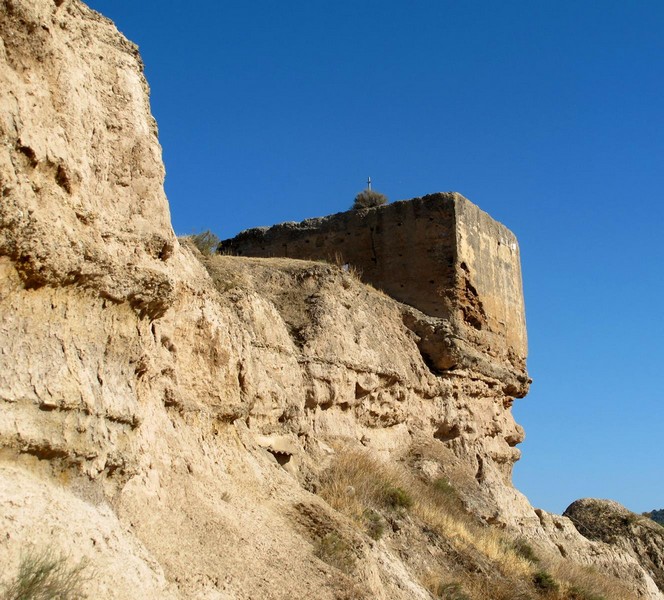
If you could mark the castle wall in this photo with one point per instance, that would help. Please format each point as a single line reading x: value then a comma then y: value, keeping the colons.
x: 391, y: 247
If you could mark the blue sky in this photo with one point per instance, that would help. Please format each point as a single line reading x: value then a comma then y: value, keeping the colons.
x: 548, y: 115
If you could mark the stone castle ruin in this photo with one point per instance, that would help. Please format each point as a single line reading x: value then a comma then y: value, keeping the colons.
x: 450, y: 261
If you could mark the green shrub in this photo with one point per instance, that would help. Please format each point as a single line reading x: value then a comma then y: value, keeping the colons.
x: 368, y: 199
x: 524, y: 549
x: 544, y: 582
x: 447, y: 492
x: 46, y: 576
x: 206, y: 242
x: 442, y: 486
x: 396, y: 497
x: 374, y: 524
x: 447, y: 496
x: 336, y: 552
x: 577, y: 593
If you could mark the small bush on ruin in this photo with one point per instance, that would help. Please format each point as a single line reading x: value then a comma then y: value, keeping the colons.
x: 369, y: 199
x: 206, y: 242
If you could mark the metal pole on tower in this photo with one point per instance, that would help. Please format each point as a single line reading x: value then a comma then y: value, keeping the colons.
x: 368, y: 183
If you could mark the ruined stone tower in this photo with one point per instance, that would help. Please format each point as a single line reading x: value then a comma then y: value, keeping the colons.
x: 441, y: 255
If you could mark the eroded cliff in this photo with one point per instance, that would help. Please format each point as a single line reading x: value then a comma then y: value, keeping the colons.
x: 182, y: 421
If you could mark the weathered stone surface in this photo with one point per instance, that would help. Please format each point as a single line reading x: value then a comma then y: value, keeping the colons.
x: 38, y: 515
x: 441, y: 255
x: 81, y: 176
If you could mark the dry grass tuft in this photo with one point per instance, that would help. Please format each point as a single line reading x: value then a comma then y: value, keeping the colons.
x: 449, y: 590
x: 357, y: 483
x: 585, y: 583
x: 206, y: 242
x: 46, y: 576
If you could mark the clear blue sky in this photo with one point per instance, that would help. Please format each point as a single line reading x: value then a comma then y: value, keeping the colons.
x: 549, y: 115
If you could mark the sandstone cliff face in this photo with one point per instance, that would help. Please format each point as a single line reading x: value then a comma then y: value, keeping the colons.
x: 77, y: 134
x: 170, y: 417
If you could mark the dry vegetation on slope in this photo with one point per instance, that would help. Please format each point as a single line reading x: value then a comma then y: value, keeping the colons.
x: 452, y: 553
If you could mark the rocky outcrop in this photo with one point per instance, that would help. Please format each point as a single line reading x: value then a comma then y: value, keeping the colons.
x: 609, y: 522
x: 560, y: 534
x: 170, y: 417
x: 167, y: 414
